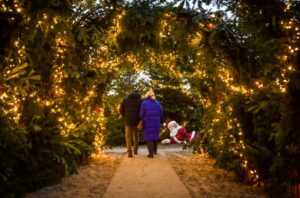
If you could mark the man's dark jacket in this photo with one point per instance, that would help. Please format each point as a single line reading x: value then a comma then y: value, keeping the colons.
x: 130, y: 108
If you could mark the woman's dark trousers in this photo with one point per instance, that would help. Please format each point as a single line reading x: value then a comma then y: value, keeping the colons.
x: 152, y: 148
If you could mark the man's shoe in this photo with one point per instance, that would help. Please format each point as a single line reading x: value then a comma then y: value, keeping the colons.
x: 135, y: 152
x: 150, y: 156
x: 130, y: 154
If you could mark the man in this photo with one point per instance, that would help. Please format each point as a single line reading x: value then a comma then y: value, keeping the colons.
x: 130, y: 108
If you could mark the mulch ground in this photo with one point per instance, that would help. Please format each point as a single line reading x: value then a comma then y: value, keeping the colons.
x: 204, y: 181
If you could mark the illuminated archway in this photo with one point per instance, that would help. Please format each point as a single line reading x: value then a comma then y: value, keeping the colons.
x: 56, y: 68
x: 183, y: 49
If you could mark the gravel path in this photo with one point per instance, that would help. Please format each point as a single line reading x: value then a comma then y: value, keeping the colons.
x: 172, y: 173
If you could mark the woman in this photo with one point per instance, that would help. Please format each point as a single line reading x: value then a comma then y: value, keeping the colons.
x: 151, y: 113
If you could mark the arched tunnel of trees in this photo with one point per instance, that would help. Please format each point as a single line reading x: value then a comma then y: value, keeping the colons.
x: 231, y: 73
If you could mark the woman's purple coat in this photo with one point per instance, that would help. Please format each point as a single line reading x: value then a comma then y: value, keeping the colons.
x: 150, y: 113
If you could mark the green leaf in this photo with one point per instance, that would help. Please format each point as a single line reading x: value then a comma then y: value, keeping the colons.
x: 75, y: 150
x: 83, y: 36
x: 274, y: 21
x: 16, y: 75
x: 252, y: 108
x: 35, y: 77
x: 181, y: 4
x: 37, y: 128
x: 19, y: 68
x: 4, y: 178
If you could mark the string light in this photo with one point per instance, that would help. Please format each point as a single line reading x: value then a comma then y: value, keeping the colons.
x: 292, y: 28
x: 116, y: 28
x: 104, y: 61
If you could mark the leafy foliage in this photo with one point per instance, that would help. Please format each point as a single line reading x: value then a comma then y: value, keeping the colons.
x: 66, y: 65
